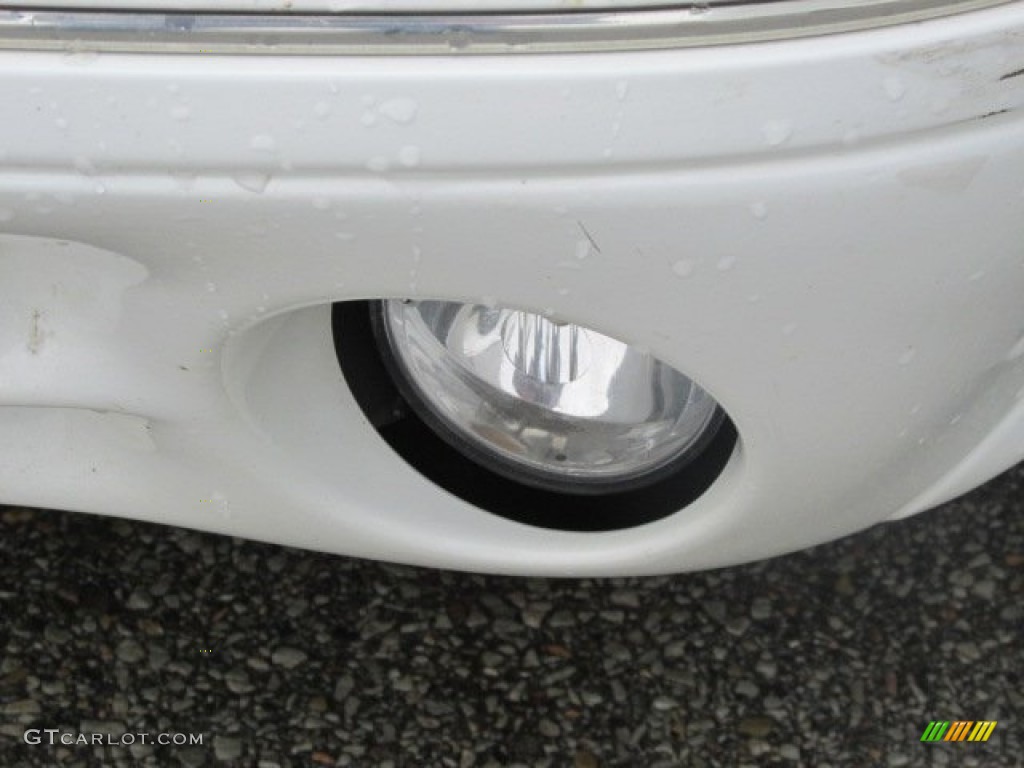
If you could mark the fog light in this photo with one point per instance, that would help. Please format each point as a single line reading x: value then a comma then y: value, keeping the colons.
x: 547, y: 403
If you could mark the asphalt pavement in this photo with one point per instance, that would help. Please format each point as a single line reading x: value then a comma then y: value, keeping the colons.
x: 839, y: 656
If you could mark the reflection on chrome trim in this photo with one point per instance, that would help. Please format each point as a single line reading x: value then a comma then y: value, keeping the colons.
x: 698, y: 24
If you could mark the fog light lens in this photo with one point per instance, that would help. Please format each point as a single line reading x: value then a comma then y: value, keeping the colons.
x: 547, y: 403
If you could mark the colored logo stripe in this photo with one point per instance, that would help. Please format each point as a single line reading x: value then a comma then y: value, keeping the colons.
x: 982, y: 731
x: 959, y: 730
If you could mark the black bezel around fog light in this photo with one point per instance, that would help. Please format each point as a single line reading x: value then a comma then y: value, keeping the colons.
x: 392, y: 405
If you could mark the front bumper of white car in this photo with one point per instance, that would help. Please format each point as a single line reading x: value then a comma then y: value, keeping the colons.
x: 826, y: 232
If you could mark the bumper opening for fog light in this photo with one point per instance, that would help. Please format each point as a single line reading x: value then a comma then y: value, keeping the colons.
x: 543, y: 421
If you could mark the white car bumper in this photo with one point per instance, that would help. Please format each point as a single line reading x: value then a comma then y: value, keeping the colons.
x: 826, y: 233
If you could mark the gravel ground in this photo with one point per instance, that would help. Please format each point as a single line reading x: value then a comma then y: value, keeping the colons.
x: 834, y: 657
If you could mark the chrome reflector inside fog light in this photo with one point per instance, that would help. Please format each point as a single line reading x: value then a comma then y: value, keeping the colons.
x: 547, y: 403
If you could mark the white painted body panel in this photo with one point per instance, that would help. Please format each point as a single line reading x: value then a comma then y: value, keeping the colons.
x: 346, y: 6
x: 827, y: 234
x: 313, y: 7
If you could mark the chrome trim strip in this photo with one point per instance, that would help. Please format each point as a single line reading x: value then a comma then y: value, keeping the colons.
x: 724, y: 22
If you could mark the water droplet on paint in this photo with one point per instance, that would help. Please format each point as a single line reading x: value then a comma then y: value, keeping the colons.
x: 1017, y: 350
x: 84, y: 166
x: 759, y: 210
x: 777, y: 132
x: 399, y: 110
x: 221, y: 504
x: 263, y: 142
x: 409, y: 156
x: 253, y: 182
x: 894, y: 87
x: 683, y: 267
x: 184, y: 180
